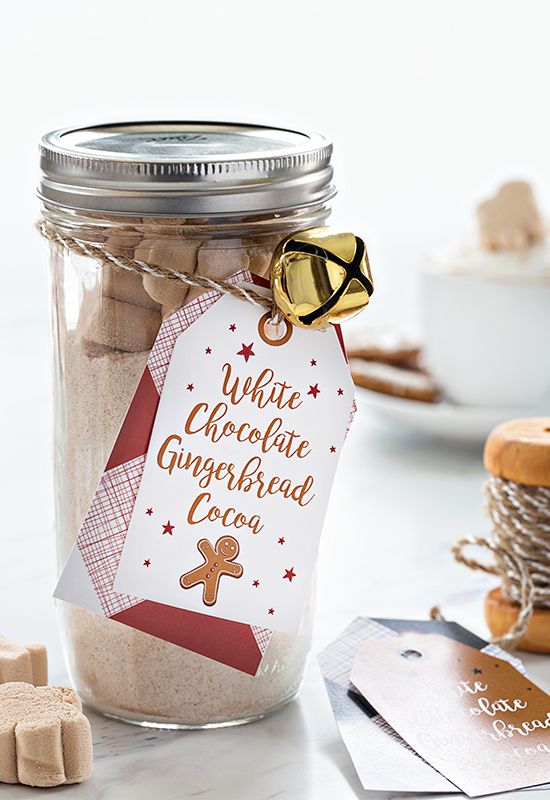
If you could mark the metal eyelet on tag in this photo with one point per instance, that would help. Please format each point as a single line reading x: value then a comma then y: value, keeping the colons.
x: 266, y: 325
x: 411, y: 654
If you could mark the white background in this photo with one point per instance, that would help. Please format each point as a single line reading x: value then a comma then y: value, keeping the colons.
x: 430, y: 103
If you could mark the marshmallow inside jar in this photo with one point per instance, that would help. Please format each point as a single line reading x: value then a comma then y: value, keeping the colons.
x: 193, y: 198
x: 485, y: 307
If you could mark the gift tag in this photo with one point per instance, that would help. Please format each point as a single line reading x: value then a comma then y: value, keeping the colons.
x: 239, y: 468
x: 383, y: 760
x: 470, y: 715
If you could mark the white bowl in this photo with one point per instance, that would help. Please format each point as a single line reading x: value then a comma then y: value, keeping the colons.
x: 487, y: 340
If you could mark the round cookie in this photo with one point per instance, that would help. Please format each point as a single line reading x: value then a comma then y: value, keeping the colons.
x: 519, y: 451
x: 386, y: 347
x: 397, y: 381
x: 501, y: 615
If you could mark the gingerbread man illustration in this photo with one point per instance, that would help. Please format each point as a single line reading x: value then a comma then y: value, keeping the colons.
x: 217, y: 562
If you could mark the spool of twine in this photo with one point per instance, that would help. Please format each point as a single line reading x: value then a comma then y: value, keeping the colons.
x: 518, y: 456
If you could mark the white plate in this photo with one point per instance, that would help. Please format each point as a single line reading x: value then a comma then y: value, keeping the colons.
x: 443, y: 420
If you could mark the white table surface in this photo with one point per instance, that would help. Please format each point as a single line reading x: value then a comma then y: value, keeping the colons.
x: 398, y: 504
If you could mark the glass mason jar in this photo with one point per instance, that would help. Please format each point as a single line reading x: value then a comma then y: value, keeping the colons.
x: 196, y: 197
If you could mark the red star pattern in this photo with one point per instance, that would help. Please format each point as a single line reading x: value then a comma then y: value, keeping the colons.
x: 333, y: 449
x: 313, y: 362
x: 232, y: 327
x: 208, y: 351
x: 256, y: 583
x: 281, y: 540
x: 147, y: 562
x: 149, y: 512
x: 190, y: 387
x: 168, y: 528
x: 314, y: 390
x: 271, y: 611
x: 340, y: 392
x: 289, y: 573
x: 247, y: 351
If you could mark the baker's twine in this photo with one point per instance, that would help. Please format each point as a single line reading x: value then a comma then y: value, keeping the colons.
x: 520, y: 543
x: 100, y: 253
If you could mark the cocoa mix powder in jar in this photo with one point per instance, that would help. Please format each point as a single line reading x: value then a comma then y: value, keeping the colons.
x: 203, y: 198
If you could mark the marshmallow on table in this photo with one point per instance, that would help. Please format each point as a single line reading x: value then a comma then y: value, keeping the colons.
x: 28, y: 663
x: 117, y: 325
x: 45, y: 739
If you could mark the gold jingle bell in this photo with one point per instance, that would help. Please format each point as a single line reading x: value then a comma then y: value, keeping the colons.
x: 320, y: 277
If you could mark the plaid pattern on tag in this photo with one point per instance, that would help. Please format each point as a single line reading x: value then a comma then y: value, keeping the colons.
x: 103, y: 532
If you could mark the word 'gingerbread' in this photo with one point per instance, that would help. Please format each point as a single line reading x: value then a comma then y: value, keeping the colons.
x: 217, y: 562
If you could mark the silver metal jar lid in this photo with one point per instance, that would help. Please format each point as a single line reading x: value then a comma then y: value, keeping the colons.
x: 184, y: 168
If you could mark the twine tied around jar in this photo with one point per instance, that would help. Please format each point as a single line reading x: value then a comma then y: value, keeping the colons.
x: 101, y: 254
x: 520, y: 543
